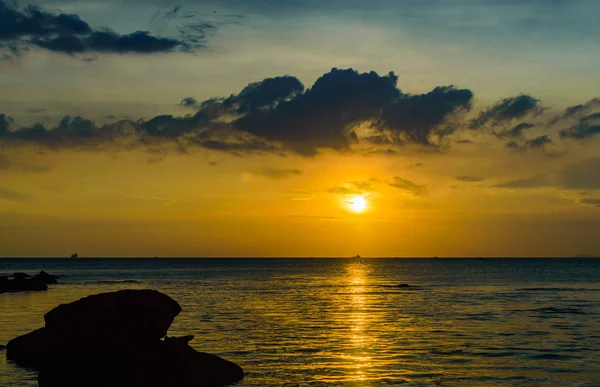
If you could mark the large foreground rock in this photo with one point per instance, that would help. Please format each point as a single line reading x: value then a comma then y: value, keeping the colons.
x: 114, y: 339
x: 126, y: 316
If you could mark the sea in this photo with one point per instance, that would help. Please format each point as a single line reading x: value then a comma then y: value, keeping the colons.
x: 341, y: 322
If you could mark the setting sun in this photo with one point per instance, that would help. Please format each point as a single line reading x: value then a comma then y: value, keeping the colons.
x: 358, y: 203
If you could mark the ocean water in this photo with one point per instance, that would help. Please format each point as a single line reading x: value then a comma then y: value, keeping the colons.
x: 334, y: 322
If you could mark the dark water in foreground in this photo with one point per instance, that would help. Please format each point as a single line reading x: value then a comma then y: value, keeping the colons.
x: 330, y: 322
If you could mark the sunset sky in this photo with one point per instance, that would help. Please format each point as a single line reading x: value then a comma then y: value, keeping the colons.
x: 289, y: 128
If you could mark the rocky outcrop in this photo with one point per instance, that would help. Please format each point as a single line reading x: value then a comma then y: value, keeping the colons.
x: 123, y: 317
x: 22, y: 282
x: 46, y: 278
x: 116, y: 339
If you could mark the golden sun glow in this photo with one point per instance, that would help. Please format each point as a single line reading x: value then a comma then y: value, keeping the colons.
x: 357, y: 203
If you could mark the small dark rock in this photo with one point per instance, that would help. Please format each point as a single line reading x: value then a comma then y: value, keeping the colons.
x: 46, y: 278
x: 2, y: 347
x: 403, y: 286
x: 21, y: 282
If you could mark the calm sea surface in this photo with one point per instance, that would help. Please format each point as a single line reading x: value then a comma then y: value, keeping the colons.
x: 332, y: 322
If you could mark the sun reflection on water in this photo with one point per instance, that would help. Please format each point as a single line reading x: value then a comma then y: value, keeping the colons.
x: 359, y: 337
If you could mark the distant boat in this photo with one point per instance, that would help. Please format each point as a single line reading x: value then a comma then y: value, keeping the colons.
x: 74, y: 256
x: 356, y: 256
x: 480, y: 259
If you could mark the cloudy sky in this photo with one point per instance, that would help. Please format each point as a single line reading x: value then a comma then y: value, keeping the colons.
x: 299, y: 128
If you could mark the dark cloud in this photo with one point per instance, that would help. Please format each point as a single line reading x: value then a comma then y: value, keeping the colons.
x: 591, y: 202
x: 464, y: 142
x: 324, y: 115
x: 70, y: 131
x: 587, y: 127
x: 515, y: 132
x: 507, y: 110
x: 140, y: 42
x: 529, y: 182
x: 537, y: 143
x: 278, y: 115
x: 416, y: 118
x: 263, y: 95
x: 238, y: 147
x: 190, y: 102
x: 321, y: 117
x: 278, y: 174
x: 577, y: 110
x: 407, y: 185
x: 69, y: 34
x: 469, y: 179
x: 5, y: 123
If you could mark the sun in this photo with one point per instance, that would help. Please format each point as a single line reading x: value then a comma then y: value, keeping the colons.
x: 357, y: 203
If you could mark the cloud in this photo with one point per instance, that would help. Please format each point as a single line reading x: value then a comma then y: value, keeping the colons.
x: 190, y: 102
x: 5, y: 123
x: 464, y: 142
x: 537, y: 143
x: 7, y: 194
x: 591, y: 202
x: 577, y: 111
x: 325, y: 115
x: 343, y: 110
x: 529, y: 182
x: 69, y: 34
x: 416, y: 118
x: 355, y: 187
x: 264, y: 95
x: 587, y: 127
x: 238, y: 147
x: 515, y: 132
x: 469, y: 179
x: 278, y: 174
x: 407, y: 185
x: 507, y: 110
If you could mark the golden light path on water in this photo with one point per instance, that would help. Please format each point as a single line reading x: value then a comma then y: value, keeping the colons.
x: 360, y: 338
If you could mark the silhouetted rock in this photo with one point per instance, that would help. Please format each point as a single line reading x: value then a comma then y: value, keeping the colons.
x: 125, y: 316
x: 34, y: 349
x: 402, y: 286
x: 21, y: 282
x: 46, y: 278
x: 2, y: 347
x: 114, y: 339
